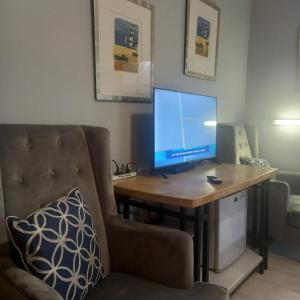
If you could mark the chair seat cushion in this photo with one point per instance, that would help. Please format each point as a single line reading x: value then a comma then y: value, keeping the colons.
x: 58, y: 245
x: 293, y: 216
x: 119, y: 286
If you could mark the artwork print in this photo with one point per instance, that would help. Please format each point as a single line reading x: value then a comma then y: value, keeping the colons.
x: 123, y: 42
x: 201, y: 43
x: 126, y: 52
x: 202, y: 38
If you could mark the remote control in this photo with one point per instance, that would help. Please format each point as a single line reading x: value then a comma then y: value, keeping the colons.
x: 214, y: 180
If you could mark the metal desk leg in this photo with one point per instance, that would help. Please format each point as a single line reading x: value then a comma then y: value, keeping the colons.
x: 126, y: 209
x: 118, y: 205
x: 264, y: 225
x: 266, y: 197
x: 123, y: 200
x: 254, y: 216
x: 160, y: 213
x: 197, y: 243
x: 201, y: 243
x: 206, y: 245
x: 182, y: 222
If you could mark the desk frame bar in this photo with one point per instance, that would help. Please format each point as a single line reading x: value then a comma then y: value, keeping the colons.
x: 206, y: 245
x: 201, y: 243
x: 255, y: 200
x: 267, y: 214
x: 264, y: 245
x: 182, y: 221
x: 263, y: 236
x: 198, y: 238
x: 201, y: 227
x: 126, y: 201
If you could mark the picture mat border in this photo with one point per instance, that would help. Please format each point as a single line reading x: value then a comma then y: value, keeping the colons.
x: 96, y: 46
x: 187, y: 27
x: 297, y: 83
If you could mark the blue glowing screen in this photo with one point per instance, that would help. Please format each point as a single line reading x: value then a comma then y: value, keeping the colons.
x: 184, y: 127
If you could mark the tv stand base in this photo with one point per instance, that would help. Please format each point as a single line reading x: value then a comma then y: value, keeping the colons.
x: 180, y: 168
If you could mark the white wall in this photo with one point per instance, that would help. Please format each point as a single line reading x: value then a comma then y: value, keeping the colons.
x: 46, y: 64
x: 271, y: 79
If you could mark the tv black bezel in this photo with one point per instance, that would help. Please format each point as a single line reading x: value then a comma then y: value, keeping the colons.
x: 192, y: 162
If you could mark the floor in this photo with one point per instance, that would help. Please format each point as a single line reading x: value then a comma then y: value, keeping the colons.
x: 280, y: 281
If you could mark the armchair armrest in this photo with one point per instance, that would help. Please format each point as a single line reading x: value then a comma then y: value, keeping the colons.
x: 155, y: 253
x: 292, y: 178
x: 22, y: 282
x: 279, y: 194
x: 8, y: 292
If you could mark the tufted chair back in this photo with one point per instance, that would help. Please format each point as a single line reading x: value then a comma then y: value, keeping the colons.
x: 41, y: 163
x: 235, y: 140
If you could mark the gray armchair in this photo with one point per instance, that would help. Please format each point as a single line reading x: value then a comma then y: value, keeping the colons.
x: 236, y: 140
x: 40, y: 163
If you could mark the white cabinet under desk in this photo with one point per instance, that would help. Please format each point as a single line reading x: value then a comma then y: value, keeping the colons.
x: 230, y: 260
x: 228, y: 228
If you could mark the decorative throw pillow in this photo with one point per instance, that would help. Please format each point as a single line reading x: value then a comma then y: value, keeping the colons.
x: 256, y: 162
x: 58, y: 245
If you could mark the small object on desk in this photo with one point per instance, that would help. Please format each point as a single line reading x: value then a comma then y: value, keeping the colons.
x: 214, y: 180
x: 124, y: 175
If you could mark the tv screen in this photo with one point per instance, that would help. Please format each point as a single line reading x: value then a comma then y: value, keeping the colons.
x: 184, y: 127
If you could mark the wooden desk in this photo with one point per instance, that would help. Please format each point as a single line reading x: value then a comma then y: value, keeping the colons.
x: 191, y: 190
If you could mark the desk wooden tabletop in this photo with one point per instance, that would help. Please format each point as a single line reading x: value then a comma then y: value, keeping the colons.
x: 191, y: 189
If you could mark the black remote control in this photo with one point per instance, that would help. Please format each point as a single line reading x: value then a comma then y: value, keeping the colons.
x: 214, y: 180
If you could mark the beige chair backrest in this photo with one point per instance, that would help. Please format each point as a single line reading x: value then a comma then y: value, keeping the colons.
x: 235, y: 140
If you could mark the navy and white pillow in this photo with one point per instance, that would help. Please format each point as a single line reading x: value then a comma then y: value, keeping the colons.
x: 58, y: 244
x: 256, y: 162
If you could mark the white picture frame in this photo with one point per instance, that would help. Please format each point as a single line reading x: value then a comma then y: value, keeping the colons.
x: 298, y: 63
x: 123, y: 37
x: 202, y: 29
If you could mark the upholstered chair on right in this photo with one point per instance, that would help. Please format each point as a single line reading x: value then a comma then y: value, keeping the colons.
x: 235, y: 140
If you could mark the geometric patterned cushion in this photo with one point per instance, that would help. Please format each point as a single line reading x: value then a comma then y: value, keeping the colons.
x: 255, y: 162
x: 58, y: 244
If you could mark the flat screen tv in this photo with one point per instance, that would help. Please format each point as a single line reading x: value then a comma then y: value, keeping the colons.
x: 184, y: 128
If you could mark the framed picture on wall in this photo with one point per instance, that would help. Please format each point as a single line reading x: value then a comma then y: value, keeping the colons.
x: 123, y: 50
x: 298, y: 65
x: 202, y: 29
